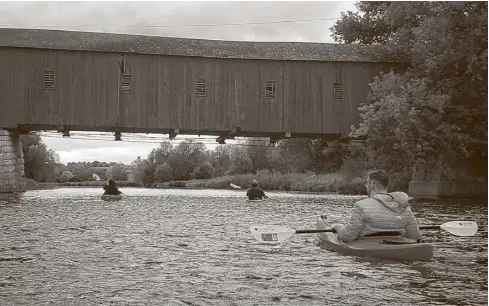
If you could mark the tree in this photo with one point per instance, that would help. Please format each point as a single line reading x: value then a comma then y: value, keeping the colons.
x: 81, y: 171
x: 221, y: 159
x: 163, y: 173
x: 140, y: 170
x: 437, y: 110
x: 204, y: 171
x: 185, y: 157
x: 240, y: 161
x: 65, y: 177
x: 257, y: 151
x: 117, y: 173
x: 292, y: 155
x: 39, y: 162
x: 160, y: 155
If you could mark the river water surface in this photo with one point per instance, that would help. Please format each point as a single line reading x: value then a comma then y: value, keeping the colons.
x: 193, y: 247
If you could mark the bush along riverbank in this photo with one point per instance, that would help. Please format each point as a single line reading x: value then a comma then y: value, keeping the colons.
x: 305, y: 182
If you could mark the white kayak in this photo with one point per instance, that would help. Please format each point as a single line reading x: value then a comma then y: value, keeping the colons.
x: 258, y: 200
x: 388, y: 247
x: 111, y: 197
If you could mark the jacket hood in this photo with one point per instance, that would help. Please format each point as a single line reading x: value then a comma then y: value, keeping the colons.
x: 396, y: 201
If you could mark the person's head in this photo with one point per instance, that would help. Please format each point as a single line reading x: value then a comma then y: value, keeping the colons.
x: 111, y: 183
x: 254, y: 183
x: 377, y: 182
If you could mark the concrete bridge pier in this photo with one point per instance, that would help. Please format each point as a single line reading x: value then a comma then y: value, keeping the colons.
x: 429, y: 181
x: 12, y: 179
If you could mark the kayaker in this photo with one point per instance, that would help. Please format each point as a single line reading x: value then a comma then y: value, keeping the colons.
x: 381, y: 211
x: 111, y: 189
x: 255, y: 192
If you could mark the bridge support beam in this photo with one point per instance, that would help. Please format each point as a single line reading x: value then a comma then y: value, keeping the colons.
x: 12, y: 179
x: 429, y: 181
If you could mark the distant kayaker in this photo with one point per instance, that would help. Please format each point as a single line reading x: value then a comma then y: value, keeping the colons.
x: 255, y: 192
x: 111, y: 188
x: 381, y: 211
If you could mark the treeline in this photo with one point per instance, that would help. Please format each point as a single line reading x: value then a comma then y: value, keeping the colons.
x: 190, y: 160
x: 292, y: 164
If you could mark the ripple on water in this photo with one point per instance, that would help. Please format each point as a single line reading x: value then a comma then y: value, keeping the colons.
x: 192, y: 247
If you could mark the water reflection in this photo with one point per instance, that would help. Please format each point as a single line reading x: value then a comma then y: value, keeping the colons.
x: 192, y: 247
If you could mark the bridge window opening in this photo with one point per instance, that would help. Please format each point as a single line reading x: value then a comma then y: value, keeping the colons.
x: 49, y: 79
x: 270, y: 89
x: 126, y: 82
x: 201, y: 88
x: 337, y: 92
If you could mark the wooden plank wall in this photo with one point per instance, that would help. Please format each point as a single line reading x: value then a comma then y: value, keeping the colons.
x: 11, y: 87
x: 163, y: 92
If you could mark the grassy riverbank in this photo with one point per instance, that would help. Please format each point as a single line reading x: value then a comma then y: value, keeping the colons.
x: 305, y: 182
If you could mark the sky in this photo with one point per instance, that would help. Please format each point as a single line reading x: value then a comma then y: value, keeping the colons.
x: 188, y: 19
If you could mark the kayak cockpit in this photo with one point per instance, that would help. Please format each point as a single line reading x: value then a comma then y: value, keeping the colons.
x: 388, y: 247
x: 111, y: 197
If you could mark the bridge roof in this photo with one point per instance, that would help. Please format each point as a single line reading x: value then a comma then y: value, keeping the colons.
x: 156, y: 45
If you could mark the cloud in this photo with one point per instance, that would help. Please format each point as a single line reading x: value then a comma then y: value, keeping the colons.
x: 149, y: 18
x: 165, y: 19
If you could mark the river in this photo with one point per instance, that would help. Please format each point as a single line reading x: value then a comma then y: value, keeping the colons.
x: 193, y: 247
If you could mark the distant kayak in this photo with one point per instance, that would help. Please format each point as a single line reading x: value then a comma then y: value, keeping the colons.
x: 388, y: 247
x: 259, y: 200
x: 111, y: 197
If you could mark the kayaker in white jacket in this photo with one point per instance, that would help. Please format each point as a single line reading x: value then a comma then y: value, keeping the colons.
x: 381, y: 211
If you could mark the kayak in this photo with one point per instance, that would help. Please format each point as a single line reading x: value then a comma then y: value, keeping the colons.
x: 388, y: 247
x: 259, y: 200
x: 111, y: 197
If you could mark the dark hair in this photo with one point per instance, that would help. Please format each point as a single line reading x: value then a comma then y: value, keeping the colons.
x: 380, y: 176
x: 111, y: 182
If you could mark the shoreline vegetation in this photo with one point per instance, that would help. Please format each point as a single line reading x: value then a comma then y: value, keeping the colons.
x: 298, y: 182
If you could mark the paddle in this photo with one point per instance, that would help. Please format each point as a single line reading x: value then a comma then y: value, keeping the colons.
x: 235, y: 186
x: 239, y: 187
x: 97, y: 178
x: 273, y: 233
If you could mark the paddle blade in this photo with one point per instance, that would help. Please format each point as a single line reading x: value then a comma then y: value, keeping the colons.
x: 460, y: 228
x: 271, y: 233
x: 96, y: 177
x: 234, y: 186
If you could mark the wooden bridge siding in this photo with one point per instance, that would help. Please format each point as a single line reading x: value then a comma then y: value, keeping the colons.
x: 234, y: 93
x: 328, y: 111
x: 311, y: 104
x: 308, y: 97
x: 271, y: 109
x: 37, y: 100
x: 175, y: 104
x: 11, y: 105
x: 79, y: 96
x: 87, y: 92
x: 289, y: 123
x: 218, y: 84
x: 246, y: 75
x: 243, y: 94
x: 84, y: 91
x: 137, y: 105
x: 162, y: 94
x: 101, y: 98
